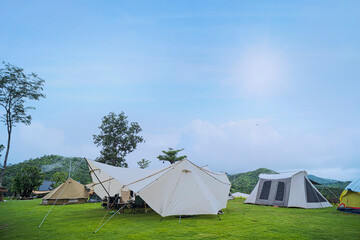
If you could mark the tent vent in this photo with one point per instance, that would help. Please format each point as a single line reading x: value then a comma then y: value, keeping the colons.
x: 265, y: 190
x: 280, y: 191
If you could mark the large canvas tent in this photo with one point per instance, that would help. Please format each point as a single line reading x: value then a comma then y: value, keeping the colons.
x: 350, y: 198
x: 179, y: 189
x: 287, y: 190
x: 103, y: 184
x: 69, y: 192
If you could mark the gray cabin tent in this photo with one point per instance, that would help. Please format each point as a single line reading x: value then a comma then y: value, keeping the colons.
x: 287, y: 190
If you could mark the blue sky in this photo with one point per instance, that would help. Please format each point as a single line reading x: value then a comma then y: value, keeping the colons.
x: 238, y: 84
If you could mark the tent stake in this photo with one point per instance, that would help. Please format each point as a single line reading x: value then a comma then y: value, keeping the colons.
x: 218, y: 217
x: 161, y: 219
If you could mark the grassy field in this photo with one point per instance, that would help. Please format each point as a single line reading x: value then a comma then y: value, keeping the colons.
x: 20, y: 219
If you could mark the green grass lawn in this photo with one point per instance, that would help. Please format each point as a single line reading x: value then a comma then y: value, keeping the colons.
x: 20, y: 220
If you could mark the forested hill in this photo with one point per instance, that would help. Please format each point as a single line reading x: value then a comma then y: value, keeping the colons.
x: 50, y: 164
x: 329, y: 182
x: 242, y: 182
x: 245, y: 182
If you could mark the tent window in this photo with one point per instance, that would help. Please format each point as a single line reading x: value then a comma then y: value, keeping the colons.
x: 280, y: 191
x: 265, y: 190
x: 312, y: 195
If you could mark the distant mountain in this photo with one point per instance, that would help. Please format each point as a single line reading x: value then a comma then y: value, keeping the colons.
x: 50, y: 164
x: 245, y: 182
x: 323, y: 181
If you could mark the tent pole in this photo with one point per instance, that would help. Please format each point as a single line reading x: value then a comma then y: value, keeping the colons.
x: 96, y: 177
x: 161, y: 219
x: 218, y: 217
x: 179, y: 219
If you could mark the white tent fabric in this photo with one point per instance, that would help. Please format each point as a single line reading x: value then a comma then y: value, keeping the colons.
x: 179, y: 189
x: 287, y: 189
x: 103, y: 184
x: 240, y: 195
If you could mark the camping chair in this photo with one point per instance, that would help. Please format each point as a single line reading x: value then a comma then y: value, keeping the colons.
x: 138, y: 203
x: 104, y: 202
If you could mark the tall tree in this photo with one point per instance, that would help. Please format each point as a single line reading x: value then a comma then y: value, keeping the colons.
x: 144, y: 163
x: 170, y: 156
x: 16, y: 88
x: 29, y: 178
x: 118, y: 138
x: 1, y: 167
x: 1, y: 148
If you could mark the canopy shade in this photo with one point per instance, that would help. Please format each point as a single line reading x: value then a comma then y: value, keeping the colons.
x: 179, y: 189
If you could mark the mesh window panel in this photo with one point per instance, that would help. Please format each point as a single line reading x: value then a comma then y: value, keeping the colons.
x: 280, y: 191
x: 312, y: 195
x: 265, y: 190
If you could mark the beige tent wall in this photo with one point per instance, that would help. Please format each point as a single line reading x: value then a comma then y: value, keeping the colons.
x: 70, y: 192
x: 63, y: 201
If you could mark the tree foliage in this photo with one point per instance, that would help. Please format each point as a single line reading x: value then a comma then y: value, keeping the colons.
x: 16, y: 88
x: 28, y: 179
x: 171, y: 156
x: 117, y: 138
x: 245, y: 182
x: 49, y: 165
x: 58, y: 178
x: 144, y: 163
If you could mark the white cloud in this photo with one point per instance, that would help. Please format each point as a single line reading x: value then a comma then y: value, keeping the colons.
x: 163, y: 140
x: 233, y: 147
x: 154, y: 144
x: 37, y: 136
x: 37, y: 140
x: 261, y: 71
x: 248, y: 144
x: 349, y: 174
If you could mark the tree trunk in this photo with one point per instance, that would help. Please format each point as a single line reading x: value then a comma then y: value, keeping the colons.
x: 5, y: 161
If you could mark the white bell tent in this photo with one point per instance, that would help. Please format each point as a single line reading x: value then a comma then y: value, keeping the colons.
x: 179, y: 189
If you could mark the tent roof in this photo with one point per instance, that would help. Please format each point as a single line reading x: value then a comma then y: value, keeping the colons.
x: 136, y: 178
x: 40, y: 192
x: 182, y: 188
x: 45, y: 186
x: 70, y: 189
x: 280, y: 175
x: 354, y: 186
x: 239, y: 194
